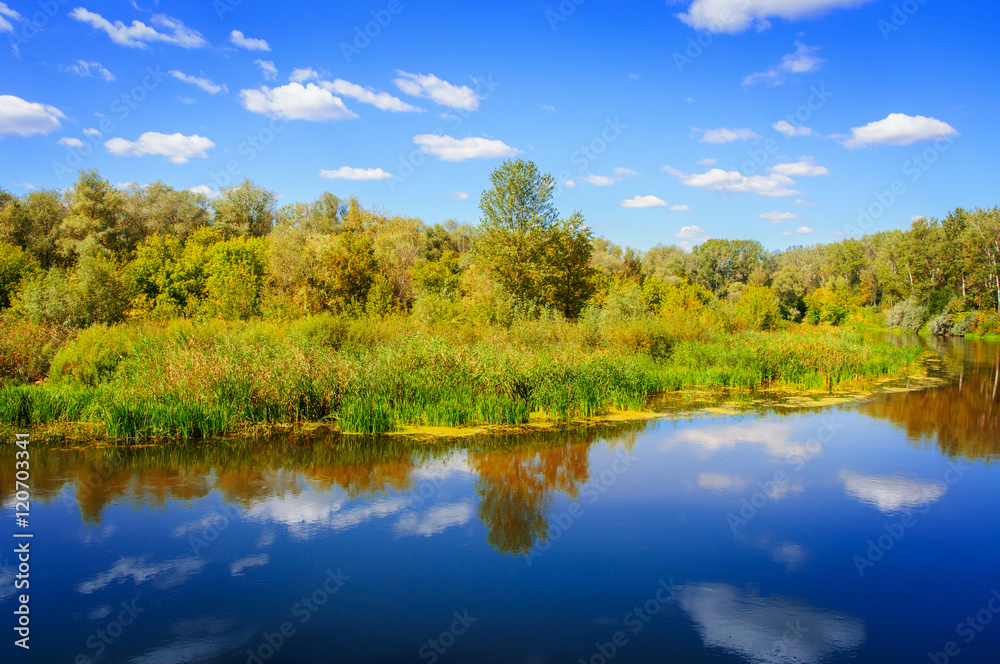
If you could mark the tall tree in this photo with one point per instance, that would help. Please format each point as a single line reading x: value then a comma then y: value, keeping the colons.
x: 246, y: 210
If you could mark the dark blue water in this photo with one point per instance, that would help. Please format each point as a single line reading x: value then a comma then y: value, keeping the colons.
x: 862, y: 533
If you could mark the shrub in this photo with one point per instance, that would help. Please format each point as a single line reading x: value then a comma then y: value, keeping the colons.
x: 15, y: 266
x: 964, y: 324
x: 26, y: 349
x: 907, y: 315
x: 96, y: 352
x: 940, y: 325
x: 93, y: 292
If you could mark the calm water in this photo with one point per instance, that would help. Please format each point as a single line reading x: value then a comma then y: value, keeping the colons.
x: 868, y: 533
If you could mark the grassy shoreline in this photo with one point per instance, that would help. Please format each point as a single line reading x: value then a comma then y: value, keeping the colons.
x: 183, y: 379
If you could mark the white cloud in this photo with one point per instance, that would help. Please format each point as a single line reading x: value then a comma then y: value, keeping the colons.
x: 805, y: 230
x: 201, y: 82
x: 70, y: 142
x: 267, y: 68
x: 296, y: 102
x: 599, y: 180
x: 140, y: 35
x: 899, y: 129
x: 259, y: 560
x: 679, y: 208
x: 164, y: 575
x: 442, y: 92
x: 707, y: 161
x: 447, y: 148
x: 771, y: 185
x: 802, y: 61
x: 643, y: 202
x: 804, y: 167
x: 348, y: 173
x: 90, y: 131
x: 690, y: 236
x: 756, y: 627
x: 5, y: 13
x: 206, y: 190
x: 623, y: 172
x: 27, y: 118
x: 458, y: 195
x: 890, y: 493
x: 550, y: 109
x: 790, y: 130
x: 303, y: 74
x: 803, y: 203
x: 776, y: 438
x: 241, y: 41
x: 778, y: 217
x: 382, y: 100
x: 83, y: 68
x: 724, y: 135
x: 734, y: 16
x: 178, y: 148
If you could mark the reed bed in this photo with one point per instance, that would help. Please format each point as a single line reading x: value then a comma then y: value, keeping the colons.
x: 191, y: 380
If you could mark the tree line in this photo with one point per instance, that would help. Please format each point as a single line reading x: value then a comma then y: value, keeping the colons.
x: 96, y: 253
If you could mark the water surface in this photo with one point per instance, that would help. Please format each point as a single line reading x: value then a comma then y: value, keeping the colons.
x: 861, y: 533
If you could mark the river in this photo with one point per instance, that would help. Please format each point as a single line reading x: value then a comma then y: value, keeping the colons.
x: 867, y: 532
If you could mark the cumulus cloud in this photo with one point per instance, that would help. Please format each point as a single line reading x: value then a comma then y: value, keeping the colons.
x: 89, y: 70
x: 732, y: 16
x: 267, y: 68
x: 178, y: 148
x: 804, y: 167
x: 756, y: 627
x: 890, y: 493
x: 774, y: 437
x: 70, y: 142
x: 778, y: 217
x: 239, y: 40
x: 435, y: 521
x: 803, y: 203
x: 237, y: 566
x: 206, y: 190
x: 296, y: 102
x: 805, y: 230
x: 724, y: 135
x: 348, y: 173
x: 140, y: 35
x: 200, y: 81
x: 707, y: 161
x: 447, y: 148
x: 437, y: 90
x: 643, y: 202
x: 5, y: 13
x: 303, y: 74
x: 690, y: 236
x: 803, y: 61
x: 602, y: 180
x: 381, y: 100
x: 790, y: 130
x: 772, y: 185
x: 27, y: 118
x: 899, y: 129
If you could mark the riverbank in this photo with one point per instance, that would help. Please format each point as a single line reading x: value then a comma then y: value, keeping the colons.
x: 184, y: 379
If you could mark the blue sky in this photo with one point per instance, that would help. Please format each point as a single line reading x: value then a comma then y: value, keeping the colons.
x: 787, y: 121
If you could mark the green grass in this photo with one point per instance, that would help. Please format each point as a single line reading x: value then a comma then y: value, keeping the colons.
x: 187, y: 380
